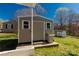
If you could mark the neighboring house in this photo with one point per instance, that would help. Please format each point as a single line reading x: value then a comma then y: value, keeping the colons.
x: 1, y: 26
x: 10, y: 26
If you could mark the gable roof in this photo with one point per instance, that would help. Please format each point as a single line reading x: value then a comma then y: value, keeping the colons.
x: 38, y: 16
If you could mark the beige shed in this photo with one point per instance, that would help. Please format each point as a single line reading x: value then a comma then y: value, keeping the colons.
x: 41, y: 27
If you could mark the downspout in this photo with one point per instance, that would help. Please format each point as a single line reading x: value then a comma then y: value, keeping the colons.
x: 18, y: 30
x: 31, y: 26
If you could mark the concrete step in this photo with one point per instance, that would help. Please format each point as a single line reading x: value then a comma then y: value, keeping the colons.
x: 46, y: 45
x: 27, y: 50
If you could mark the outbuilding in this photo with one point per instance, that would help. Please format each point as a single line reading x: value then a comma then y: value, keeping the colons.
x: 42, y: 27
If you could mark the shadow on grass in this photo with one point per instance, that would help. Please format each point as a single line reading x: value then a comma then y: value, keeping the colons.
x: 75, y: 36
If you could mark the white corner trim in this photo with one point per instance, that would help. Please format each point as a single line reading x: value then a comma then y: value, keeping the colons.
x: 44, y: 31
x: 32, y: 26
x: 18, y: 30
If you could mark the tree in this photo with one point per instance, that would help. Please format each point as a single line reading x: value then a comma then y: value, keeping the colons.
x: 71, y: 19
x: 76, y: 24
x: 62, y: 15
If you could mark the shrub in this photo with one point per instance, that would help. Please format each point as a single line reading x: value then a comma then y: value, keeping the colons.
x: 8, y: 44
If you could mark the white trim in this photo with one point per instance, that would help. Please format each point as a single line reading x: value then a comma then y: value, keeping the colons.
x: 11, y: 26
x: 44, y: 31
x: 18, y: 30
x: 32, y: 26
x: 23, y: 24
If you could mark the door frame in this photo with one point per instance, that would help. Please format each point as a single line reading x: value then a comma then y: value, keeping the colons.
x: 43, y: 28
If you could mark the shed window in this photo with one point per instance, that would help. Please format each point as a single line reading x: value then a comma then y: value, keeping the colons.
x: 26, y: 25
x: 48, y: 25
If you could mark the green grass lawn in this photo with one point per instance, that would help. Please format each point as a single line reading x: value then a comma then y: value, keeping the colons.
x: 5, y: 36
x: 68, y: 46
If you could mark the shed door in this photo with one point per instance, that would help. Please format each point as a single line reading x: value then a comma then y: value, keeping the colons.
x: 38, y: 30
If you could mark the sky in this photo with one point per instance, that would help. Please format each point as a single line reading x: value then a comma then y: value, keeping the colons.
x: 7, y: 10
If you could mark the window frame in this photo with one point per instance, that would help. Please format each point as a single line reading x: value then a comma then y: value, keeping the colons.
x: 23, y: 24
x: 47, y: 27
x: 11, y: 26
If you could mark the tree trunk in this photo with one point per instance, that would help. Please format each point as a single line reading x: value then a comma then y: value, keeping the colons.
x: 61, y: 23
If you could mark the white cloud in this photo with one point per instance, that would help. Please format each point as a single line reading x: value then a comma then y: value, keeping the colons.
x: 3, y: 20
